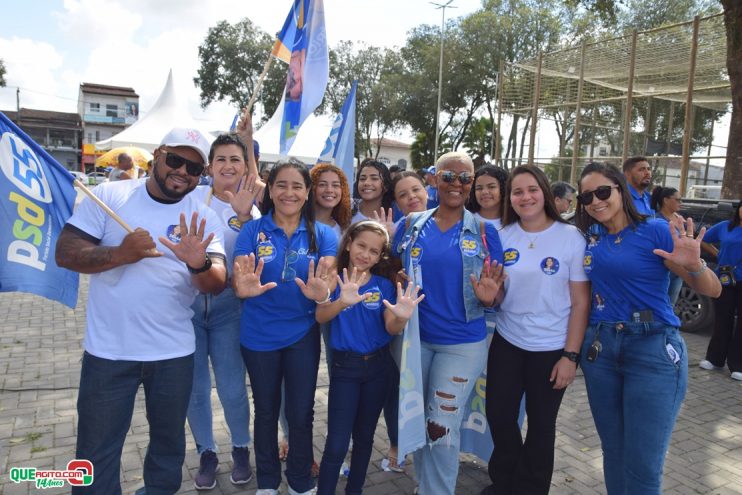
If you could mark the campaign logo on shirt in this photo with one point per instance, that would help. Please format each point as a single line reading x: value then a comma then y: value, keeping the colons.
x: 234, y: 224
x: 510, y: 256
x: 372, y: 298
x: 587, y: 261
x: 598, y: 302
x: 266, y: 250
x: 469, y: 246
x: 550, y: 265
x: 416, y: 254
x: 173, y: 233
x: 593, y: 241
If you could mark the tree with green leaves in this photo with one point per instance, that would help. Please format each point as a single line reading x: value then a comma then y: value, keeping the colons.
x: 231, y: 60
x: 609, y: 10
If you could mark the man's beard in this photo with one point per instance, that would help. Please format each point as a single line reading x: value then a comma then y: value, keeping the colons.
x: 170, y: 193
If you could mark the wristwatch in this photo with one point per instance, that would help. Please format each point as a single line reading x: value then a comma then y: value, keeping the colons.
x: 699, y: 272
x: 205, y: 267
x: 572, y: 356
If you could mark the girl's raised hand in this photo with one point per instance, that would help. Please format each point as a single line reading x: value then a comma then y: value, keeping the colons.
x: 349, y: 295
x: 386, y: 219
x: 246, y: 277
x: 490, y: 282
x: 406, y: 302
x: 316, y: 288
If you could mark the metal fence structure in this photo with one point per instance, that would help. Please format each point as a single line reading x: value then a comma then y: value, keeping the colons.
x: 656, y: 93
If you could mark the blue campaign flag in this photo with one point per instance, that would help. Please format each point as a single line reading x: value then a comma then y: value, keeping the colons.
x: 340, y: 146
x: 302, y: 44
x: 37, y: 199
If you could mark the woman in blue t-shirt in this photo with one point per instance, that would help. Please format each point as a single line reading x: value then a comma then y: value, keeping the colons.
x: 726, y: 341
x: 666, y: 202
x: 633, y: 357
x: 278, y: 333
x: 448, y: 253
x: 373, y: 190
x: 364, y: 311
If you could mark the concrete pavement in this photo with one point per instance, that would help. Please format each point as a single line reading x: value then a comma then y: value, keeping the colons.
x: 40, y: 351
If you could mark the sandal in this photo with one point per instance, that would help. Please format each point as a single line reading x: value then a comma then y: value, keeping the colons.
x: 283, y: 450
x: 394, y: 465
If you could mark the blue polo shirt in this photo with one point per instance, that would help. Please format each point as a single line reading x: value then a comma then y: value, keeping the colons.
x: 442, y: 312
x: 361, y: 328
x: 730, y: 245
x: 432, y: 196
x: 280, y: 316
x: 643, y: 202
x: 626, y: 276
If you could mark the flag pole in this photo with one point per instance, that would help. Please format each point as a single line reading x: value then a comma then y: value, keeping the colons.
x: 259, y: 84
x: 105, y: 207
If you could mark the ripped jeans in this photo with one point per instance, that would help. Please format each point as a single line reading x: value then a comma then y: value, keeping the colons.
x: 449, y: 373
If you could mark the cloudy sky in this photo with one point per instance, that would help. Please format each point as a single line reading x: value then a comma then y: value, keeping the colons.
x: 50, y: 47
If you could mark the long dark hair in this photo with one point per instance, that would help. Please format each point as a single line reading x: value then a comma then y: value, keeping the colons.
x: 510, y: 216
x: 582, y: 219
x: 387, y: 197
x: 492, y: 171
x: 659, y: 195
x: 385, y: 267
x: 307, y: 212
x: 734, y: 220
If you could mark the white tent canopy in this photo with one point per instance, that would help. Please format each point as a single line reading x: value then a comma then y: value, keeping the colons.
x: 148, y: 131
x: 309, y: 141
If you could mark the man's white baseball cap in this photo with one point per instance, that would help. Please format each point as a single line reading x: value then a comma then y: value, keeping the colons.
x: 192, y: 138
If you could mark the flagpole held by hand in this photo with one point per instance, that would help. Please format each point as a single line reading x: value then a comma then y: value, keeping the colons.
x: 259, y: 84
x: 105, y: 207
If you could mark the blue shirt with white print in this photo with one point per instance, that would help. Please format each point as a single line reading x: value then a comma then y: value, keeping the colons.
x: 280, y: 316
x: 361, y: 328
x: 627, y: 277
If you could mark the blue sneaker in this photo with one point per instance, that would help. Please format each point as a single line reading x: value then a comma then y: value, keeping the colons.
x: 206, y: 477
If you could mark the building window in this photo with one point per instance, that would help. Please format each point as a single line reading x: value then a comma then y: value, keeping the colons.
x: 90, y: 138
x: 112, y: 111
x: 95, y: 107
x: 97, y: 136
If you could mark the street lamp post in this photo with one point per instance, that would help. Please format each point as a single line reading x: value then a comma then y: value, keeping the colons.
x: 442, y: 7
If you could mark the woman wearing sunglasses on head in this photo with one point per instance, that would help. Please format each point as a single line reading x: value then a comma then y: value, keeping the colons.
x: 540, y: 325
x: 216, y: 320
x: 275, y: 260
x: 633, y: 357
x: 450, y: 253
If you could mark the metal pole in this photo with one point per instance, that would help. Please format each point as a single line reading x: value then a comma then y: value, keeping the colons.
x: 442, y: 7
x: 578, y: 115
x: 688, y: 109
x: 534, y: 109
x: 500, y: 93
x: 629, y: 98
x: 708, y: 156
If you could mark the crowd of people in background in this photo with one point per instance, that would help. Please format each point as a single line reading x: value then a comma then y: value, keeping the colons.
x: 249, y: 274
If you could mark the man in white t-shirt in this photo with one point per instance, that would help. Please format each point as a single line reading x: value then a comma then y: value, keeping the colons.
x: 175, y: 252
x: 124, y: 170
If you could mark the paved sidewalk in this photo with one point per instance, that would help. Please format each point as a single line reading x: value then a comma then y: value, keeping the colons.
x: 40, y: 351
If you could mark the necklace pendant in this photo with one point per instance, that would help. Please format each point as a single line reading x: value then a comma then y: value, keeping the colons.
x: 531, y: 246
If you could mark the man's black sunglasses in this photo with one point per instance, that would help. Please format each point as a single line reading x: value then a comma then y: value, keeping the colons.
x: 602, y: 193
x: 176, y: 161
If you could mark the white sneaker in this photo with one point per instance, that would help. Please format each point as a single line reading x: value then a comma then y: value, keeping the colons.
x: 266, y: 491
x: 737, y: 375
x: 708, y: 365
x: 308, y: 492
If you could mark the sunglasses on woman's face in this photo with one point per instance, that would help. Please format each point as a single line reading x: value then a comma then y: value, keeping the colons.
x: 602, y: 193
x: 450, y: 177
x: 176, y: 161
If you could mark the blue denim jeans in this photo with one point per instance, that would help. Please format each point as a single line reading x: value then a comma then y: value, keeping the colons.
x: 359, y: 386
x: 105, y: 406
x: 449, y: 373
x: 295, y: 365
x: 635, y: 388
x: 216, y: 322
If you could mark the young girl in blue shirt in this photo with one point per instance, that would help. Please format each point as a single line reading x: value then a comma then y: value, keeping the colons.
x: 365, y: 312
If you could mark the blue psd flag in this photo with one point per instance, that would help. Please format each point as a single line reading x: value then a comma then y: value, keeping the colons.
x: 340, y: 146
x: 37, y: 199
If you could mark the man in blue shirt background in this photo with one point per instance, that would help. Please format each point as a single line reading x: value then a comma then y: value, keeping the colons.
x: 639, y: 177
